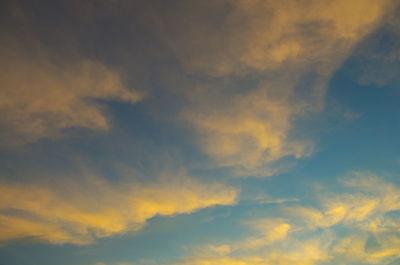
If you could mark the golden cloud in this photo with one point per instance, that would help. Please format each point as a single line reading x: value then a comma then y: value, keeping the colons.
x: 248, y: 131
x: 77, y: 213
x: 350, y: 228
x: 268, y: 35
x: 305, y: 253
x: 291, y: 49
x: 268, y: 230
x: 280, y: 44
x: 372, y: 64
x: 40, y: 96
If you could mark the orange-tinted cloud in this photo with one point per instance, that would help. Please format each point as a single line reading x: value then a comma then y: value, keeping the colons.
x: 79, y: 212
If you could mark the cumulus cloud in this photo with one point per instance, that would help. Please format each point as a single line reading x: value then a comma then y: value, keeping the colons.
x: 79, y: 212
x: 359, y: 225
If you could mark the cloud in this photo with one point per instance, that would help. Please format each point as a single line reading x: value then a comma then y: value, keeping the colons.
x: 46, y: 89
x: 79, y: 212
x: 244, y: 73
x: 376, y: 59
x: 355, y: 248
x: 269, y: 35
x: 305, y: 253
x: 40, y: 98
x: 357, y: 224
x: 273, y: 229
x: 247, y: 132
x: 347, y: 209
x: 262, y: 66
x: 371, y: 198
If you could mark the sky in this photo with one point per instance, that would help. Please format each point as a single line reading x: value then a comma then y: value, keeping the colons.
x: 213, y: 132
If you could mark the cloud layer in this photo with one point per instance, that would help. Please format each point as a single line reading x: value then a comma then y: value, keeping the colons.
x: 244, y: 72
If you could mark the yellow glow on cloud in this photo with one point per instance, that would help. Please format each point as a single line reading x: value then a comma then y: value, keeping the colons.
x: 353, y: 248
x: 220, y: 249
x: 80, y: 212
x: 346, y: 208
x: 308, y: 236
x: 247, y: 138
x: 280, y: 42
x: 268, y: 230
x: 307, y: 253
x: 40, y: 97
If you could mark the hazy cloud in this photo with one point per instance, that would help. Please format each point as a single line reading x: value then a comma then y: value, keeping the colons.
x: 41, y: 97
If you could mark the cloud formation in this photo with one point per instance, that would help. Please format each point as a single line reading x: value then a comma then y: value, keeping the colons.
x: 41, y: 97
x: 79, y: 212
x: 281, y: 53
x: 247, y: 71
x: 47, y: 85
x: 356, y: 226
x: 376, y: 60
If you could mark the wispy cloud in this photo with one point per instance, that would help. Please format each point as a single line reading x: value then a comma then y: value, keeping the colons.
x: 283, y: 53
x: 230, y: 81
x: 40, y: 98
x: 377, y: 57
x: 79, y: 212
x: 356, y: 226
x: 46, y: 89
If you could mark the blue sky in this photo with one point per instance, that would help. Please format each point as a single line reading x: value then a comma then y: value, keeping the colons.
x: 199, y: 133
